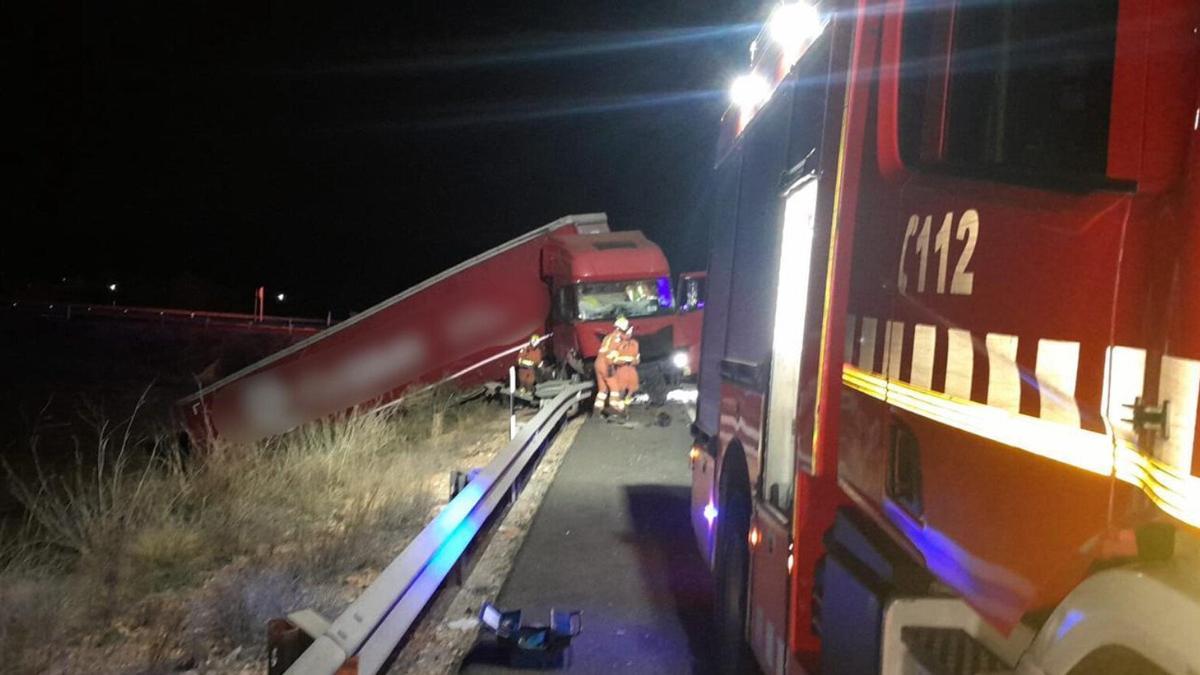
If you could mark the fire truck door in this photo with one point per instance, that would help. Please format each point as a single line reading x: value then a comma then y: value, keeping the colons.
x: 1009, y: 233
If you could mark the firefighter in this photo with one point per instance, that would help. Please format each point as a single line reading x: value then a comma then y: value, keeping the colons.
x: 616, y: 372
x: 604, y: 374
x: 626, y: 361
x: 529, y: 362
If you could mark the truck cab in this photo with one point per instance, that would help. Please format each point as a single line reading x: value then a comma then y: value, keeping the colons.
x: 596, y: 277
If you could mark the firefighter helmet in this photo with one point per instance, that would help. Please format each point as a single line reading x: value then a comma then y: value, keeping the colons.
x: 622, y: 324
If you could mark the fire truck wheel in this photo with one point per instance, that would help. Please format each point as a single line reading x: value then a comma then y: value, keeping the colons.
x: 732, y: 566
x: 1116, y: 659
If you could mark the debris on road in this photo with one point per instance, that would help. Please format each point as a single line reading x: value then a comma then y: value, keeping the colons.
x: 532, y: 644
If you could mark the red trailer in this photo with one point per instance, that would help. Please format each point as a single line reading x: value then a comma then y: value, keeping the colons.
x: 950, y: 378
x: 463, y: 324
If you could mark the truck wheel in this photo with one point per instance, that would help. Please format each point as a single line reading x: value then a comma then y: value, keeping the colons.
x: 732, y: 570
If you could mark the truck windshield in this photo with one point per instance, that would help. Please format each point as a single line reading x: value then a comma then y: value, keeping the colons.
x: 607, y: 300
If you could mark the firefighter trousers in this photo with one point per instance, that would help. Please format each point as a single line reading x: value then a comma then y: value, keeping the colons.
x: 626, y: 380
x: 526, y: 377
x: 608, y: 392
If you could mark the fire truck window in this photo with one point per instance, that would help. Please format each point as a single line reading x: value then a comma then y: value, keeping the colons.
x: 917, y: 68
x: 808, y: 111
x: 1028, y: 91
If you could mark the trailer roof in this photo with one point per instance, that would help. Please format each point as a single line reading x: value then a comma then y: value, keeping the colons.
x: 586, y: 221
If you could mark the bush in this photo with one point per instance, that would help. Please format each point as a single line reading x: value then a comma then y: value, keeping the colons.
x: 237, y: 534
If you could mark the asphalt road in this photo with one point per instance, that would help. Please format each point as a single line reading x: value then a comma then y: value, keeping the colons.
x: 612, y: 538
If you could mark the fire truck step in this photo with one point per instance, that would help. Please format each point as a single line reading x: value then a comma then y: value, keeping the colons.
x: 950, y: 651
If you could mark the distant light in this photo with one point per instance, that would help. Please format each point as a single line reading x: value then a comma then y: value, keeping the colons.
x: 792, y: 25
x: 679, y: 360
x: 281, y: 297
x: 749, y: 91
x: 710, y: 513
x: 112, y: 287
x: 755, y: 537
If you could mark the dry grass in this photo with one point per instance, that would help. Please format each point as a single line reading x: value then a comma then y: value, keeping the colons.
x: 166, y: 561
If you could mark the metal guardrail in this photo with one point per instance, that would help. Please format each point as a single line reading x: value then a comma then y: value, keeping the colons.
x: 371, y: 627
x: 69, y: 310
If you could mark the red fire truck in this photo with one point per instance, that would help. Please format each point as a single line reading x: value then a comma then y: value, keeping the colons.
x: 951, y: 365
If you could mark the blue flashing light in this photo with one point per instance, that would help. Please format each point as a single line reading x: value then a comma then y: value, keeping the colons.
x: 459, y: 507
x: 665, y: 297
x: 710, y: 513
x: 1069, y: 621
x: 1002, y: 591
x: 443, y: 561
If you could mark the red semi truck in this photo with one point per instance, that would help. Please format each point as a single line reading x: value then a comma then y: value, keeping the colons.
x: 464, y: 324
x: 596, y: 278
x: 950, y: 376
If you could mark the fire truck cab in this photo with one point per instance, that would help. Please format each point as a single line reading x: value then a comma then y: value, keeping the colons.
x: 596, y: 277
x: 951, y: 366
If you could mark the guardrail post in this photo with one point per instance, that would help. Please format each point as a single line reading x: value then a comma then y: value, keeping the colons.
x: 285, y: 643
x: 364, y: 637
x: 512, y: 410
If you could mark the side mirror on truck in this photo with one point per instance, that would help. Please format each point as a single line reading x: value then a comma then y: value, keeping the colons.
x: 691, y: 291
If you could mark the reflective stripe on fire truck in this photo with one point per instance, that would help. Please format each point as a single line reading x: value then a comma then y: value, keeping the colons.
x: 960, y: 363
x: 1179, y: 383
x: 893, y: 339
x: 1124, y: 374
x: 866, y: 348
x: 1056, y: 371
x: 924, y: 348
x: 1056, y: 434
x: 1004, y: 379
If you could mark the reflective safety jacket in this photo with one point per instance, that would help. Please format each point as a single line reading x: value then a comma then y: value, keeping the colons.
x: 618, y: 350
x: 530, y: 356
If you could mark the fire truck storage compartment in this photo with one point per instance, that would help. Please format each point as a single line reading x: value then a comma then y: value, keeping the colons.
x: 862, y: 570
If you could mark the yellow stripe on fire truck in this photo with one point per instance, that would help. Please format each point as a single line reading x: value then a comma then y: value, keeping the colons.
x: 1054, y: 433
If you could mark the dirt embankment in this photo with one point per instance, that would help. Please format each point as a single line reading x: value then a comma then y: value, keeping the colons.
x: 147, y: 562
x: 62, y: 378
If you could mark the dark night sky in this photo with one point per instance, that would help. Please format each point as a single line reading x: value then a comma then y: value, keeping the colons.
x: 342, y: 152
